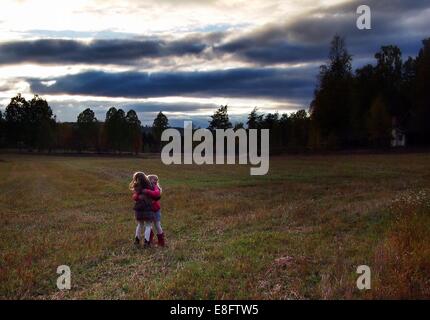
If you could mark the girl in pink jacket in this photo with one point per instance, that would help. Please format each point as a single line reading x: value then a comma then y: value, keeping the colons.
x: 155, y: 195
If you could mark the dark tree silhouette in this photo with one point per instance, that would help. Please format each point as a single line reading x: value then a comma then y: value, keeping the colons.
x: 254, y: 119
x: 238, y: 125
x: 88, y: 128
x: 116, y: 129
x: 220, y: 119
x: 421, y: 104
x: 2, y: 130
x: 111, y: 129
x: 330, y: 107
x: 67, y: 137
x: 30, y: 123
x: 149, y: 142
x: 134, y: 132
x: 379, y: 123
x: 365, y: 90
x: 17, y: 121
x: 271, y: 122
x: 161, y: 123
x: 389, y: 80
x: 299, y: 124
x: 42, y: 124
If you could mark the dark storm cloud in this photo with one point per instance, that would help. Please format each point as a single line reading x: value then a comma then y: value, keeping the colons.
x: 304, y: 39
x: 293, y: 83
x: 114, y: 51
x: 307, y: 38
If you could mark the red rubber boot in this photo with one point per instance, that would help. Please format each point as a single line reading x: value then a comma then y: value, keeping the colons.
x: 161, y: 241
x: 151, y: 237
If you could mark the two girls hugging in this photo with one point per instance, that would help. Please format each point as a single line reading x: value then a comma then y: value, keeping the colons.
x: 147, y: 209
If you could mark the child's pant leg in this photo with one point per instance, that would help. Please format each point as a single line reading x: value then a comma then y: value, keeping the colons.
x: 148, y: 225
x: 158, y: 227
x: 157, y: 218
x: 139, y: 230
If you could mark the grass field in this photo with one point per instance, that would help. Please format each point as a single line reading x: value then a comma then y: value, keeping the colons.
x: 297, y: 233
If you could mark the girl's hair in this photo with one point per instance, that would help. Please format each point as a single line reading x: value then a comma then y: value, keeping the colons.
x: 139, y: 180
x: 155, y: 179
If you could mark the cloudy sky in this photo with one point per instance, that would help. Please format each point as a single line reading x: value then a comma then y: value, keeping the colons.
x: 186, y: 57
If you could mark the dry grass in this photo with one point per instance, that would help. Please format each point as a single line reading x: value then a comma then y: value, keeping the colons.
x: 297, y: 233
x: 402, y: 260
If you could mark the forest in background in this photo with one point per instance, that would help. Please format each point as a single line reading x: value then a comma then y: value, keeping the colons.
x: 350, y: 109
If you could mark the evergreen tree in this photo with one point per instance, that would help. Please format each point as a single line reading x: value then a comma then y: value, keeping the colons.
x: 388, y: 72
x: 363, y: 94
x: 220, y: 119
x: 330, y: 107
x: 161, y: 123
x: 299, y: 125
x: 284, y: 125
x: 271, y: 122
x: 238, y: 125
x: 254, y: 119
x: 110, y: 128
x: 134, y: 131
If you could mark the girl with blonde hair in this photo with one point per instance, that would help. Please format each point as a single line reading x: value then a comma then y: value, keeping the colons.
x: 142, y: 207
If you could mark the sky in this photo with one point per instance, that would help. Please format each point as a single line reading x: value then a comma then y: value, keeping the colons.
x: 187, y: 57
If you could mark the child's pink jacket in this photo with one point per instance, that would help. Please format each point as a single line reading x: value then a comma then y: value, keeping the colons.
x: 155, y: 196
x: 135, y: 196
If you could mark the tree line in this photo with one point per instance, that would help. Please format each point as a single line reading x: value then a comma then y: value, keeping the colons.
x: 350, y: 109
x: 354, y: 109
x: 361, y: 108
x: 32, y: 126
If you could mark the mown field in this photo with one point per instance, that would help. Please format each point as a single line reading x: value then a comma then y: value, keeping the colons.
x: 298, y: 233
